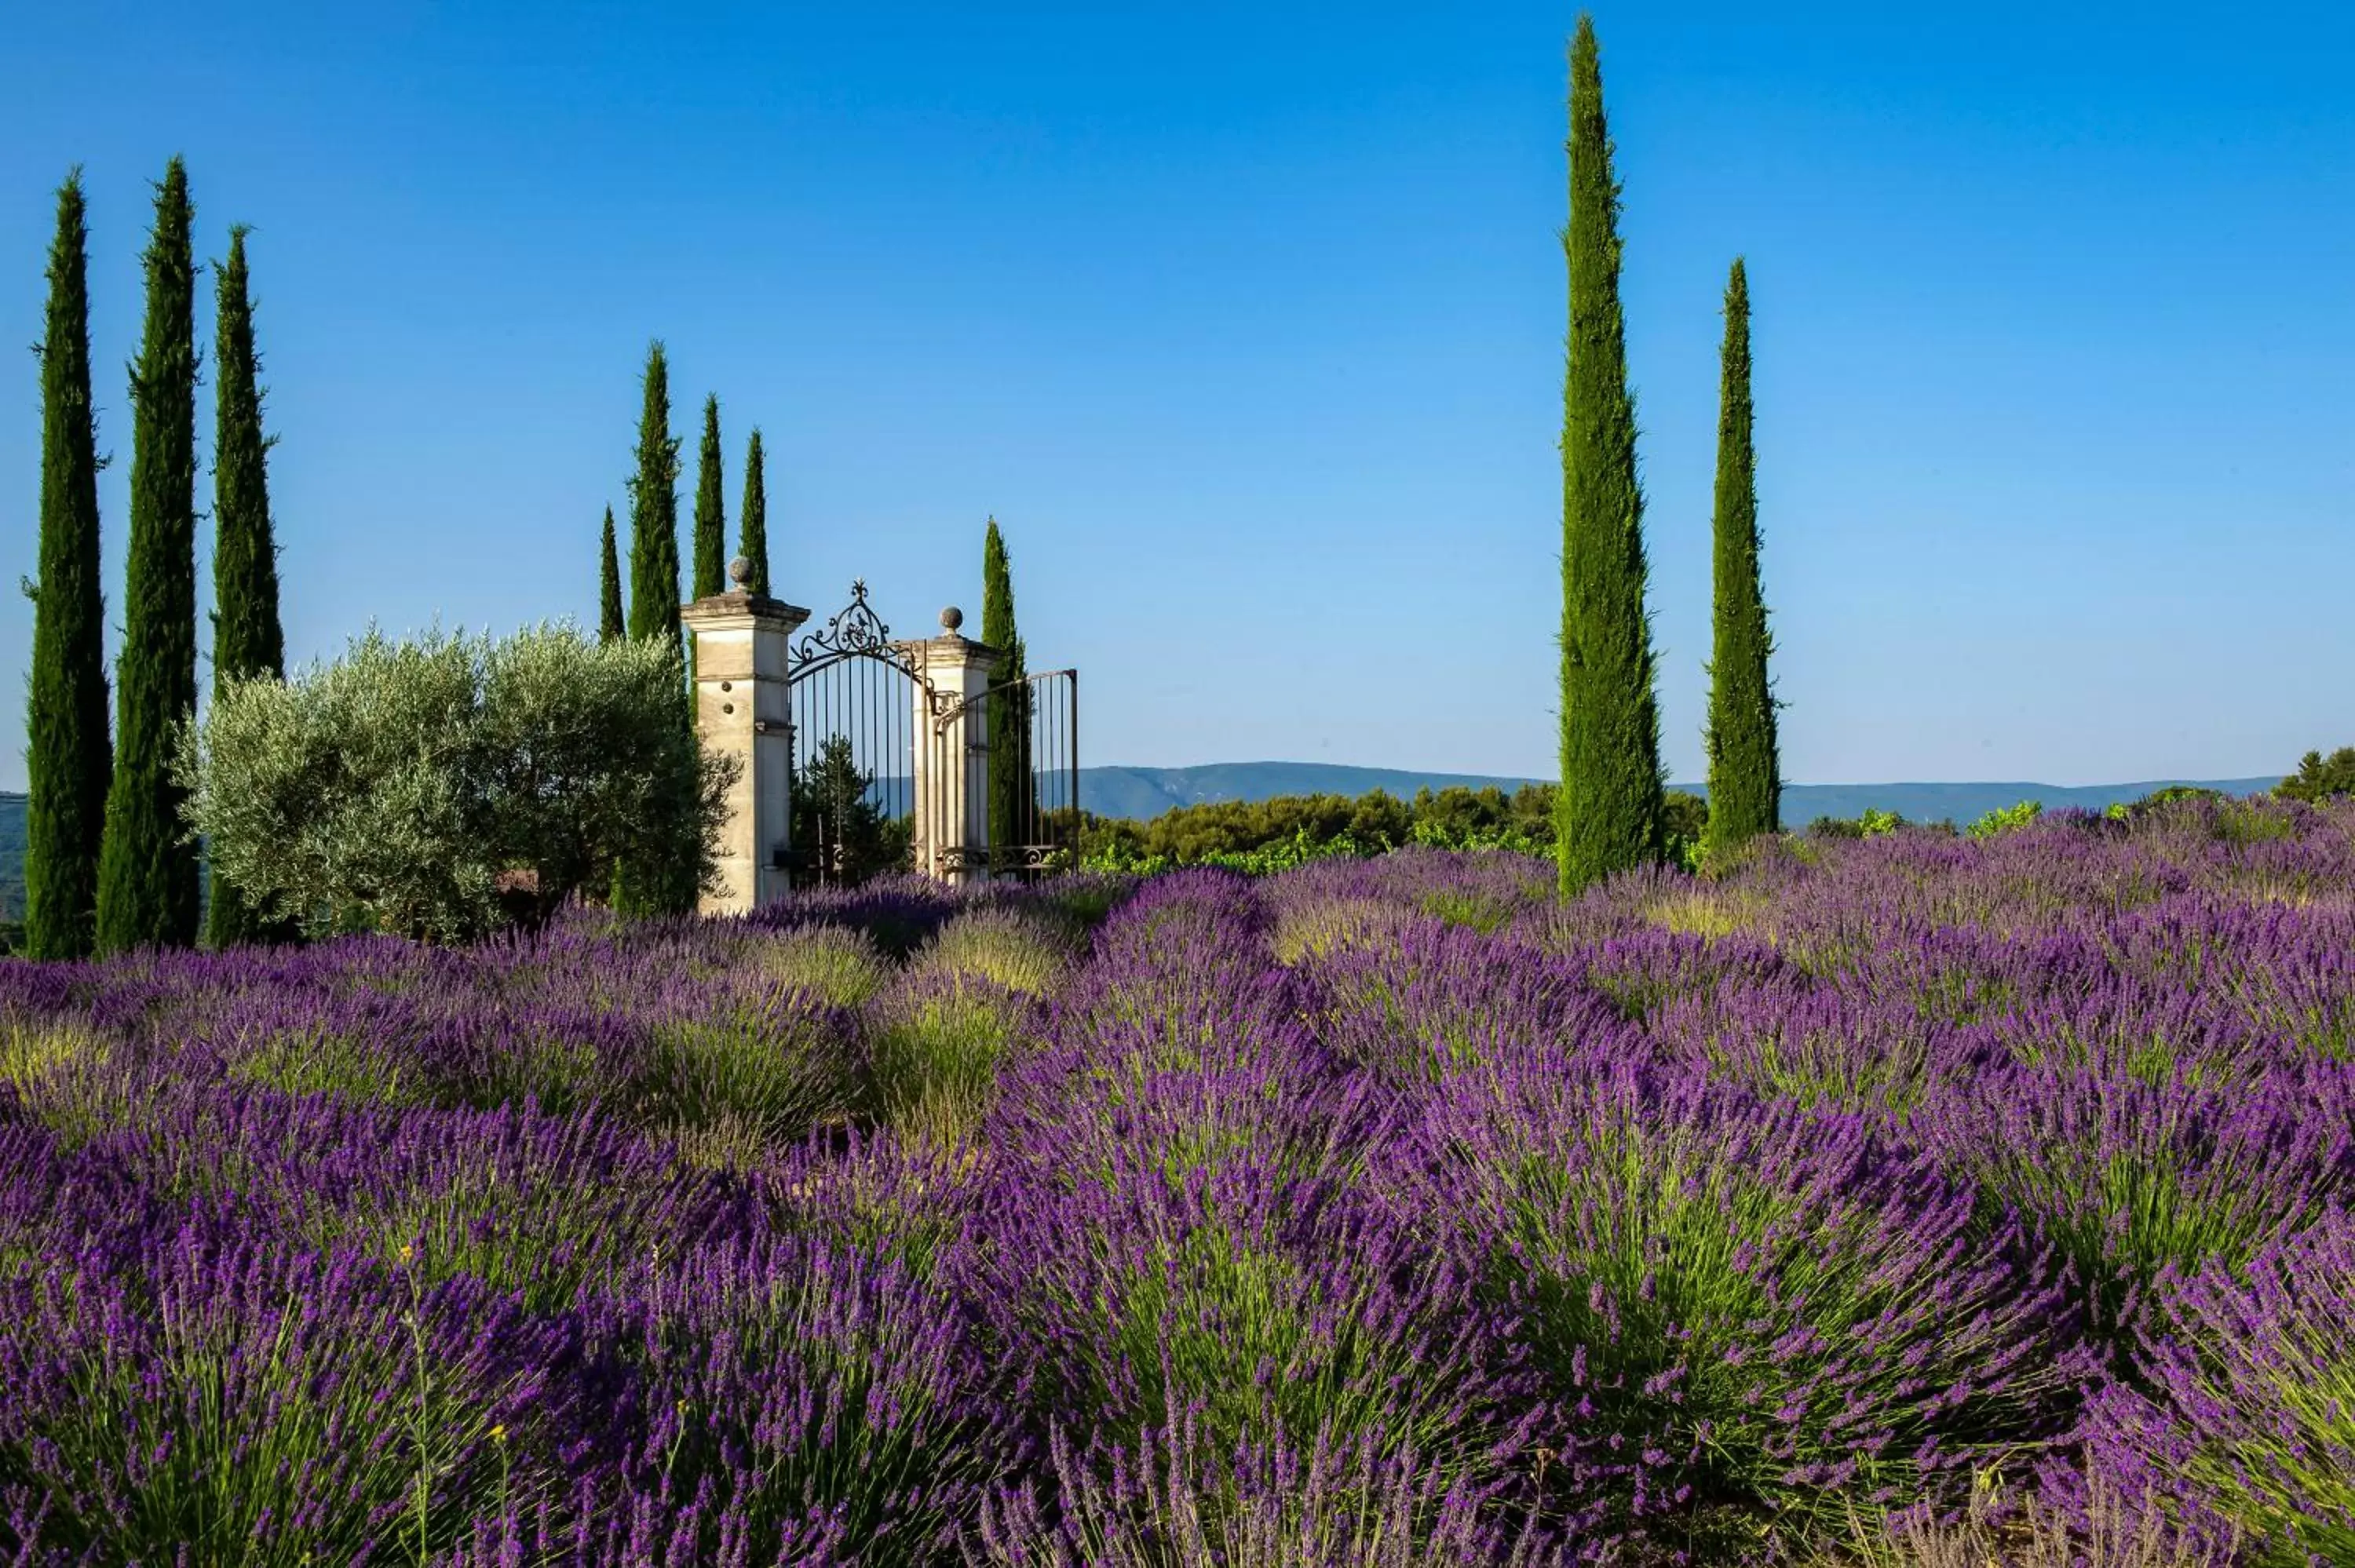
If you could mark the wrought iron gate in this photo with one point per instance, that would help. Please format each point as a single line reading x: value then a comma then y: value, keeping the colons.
x: 890, y: 773
x: 1032, y: 797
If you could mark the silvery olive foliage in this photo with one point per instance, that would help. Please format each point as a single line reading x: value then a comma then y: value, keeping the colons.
x: 446, y: 785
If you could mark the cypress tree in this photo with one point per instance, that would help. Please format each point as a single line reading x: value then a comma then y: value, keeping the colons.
x: 147, y: 877
x: 1610, y: 805
x: 248, y: 640
x: 754, y: 519
x: 611, y: 627
x: 711, y: 519
x: 68, y: 758
x: 645, y: 889
x: 1745, y: 782
x: 1011, y: 791
x: 654, y: 511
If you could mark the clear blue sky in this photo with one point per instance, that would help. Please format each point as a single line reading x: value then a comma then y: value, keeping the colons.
x: 1246, y: 322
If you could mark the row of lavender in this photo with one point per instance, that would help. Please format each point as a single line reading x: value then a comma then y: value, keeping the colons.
x: 1384, y: 1213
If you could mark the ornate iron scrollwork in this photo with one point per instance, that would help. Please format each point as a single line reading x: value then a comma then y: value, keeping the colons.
x: 857, y: 628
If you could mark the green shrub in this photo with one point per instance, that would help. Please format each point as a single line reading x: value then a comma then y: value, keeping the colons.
x: 1022, y: 952
x: 838, y: 963
x: 1873, y: 823
x: 2003, y: 819
x: 1274, y: 834
x: 753, y: 1078
x: 443, y: 786
x: 936, y: 1043
x: 2320, y: 778
x: 2167, y: 795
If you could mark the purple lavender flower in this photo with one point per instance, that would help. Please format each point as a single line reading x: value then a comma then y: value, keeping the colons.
x: 1749, y: 1314
x: 2244, y: 1421
x: 270, y: 1405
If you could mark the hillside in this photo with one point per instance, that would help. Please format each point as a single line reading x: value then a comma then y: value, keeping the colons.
x: 1143, y: 792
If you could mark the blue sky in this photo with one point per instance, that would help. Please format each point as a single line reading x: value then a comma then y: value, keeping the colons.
x: 1246, y: 320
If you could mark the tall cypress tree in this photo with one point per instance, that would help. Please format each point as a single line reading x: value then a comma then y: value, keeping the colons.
x: 1745, y: 779
x: 1011, y: 789
x: 247, y: 638
x: 711, y: 519
x: 69, y: 758
x: 754, y: 522
x: 1610, y: 805
x: 653, y: 511
x: 646, y: 889
x: 147, y: 877
x: 611, y: 627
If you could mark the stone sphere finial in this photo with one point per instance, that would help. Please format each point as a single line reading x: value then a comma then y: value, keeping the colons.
x: 739, y: 572
x: 951, y: 618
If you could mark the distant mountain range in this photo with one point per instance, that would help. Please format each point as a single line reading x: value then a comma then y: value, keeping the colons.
x: 1143, y: 792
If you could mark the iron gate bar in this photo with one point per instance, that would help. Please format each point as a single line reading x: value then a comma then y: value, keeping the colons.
x: 1041, y: 843
x: 850, y: 682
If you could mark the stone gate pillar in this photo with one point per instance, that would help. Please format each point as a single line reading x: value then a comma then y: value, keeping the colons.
x: 743, y: 708
x: 951, y: 825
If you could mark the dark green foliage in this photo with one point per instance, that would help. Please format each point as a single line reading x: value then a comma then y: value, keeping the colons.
x: 1684, y: 822
x: 247, y: 638
x: 147, y: 888
x: 1609, y: 805
x: 1453, y: 818
x: 654, y: 511
x: 1745, y: 775
x: 651, y: 888
x: 1189, y: 834
x: 711, y: 519
x: 611, y: 627
x: 836, y: 821
x: 1013, y: 792
x: 2167, y: 794
x: 997, y: 590
x: 2319, y: 777
x: 1871, y: 824
x: 67, y: 757
x: 1460, y: 818
x: 753, y: 520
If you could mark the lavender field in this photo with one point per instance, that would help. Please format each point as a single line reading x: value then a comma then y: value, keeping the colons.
x: 1907, y: 1200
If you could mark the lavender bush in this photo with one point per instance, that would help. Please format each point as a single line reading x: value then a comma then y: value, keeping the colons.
x: 2244, y: 1419
x: 1893, y: 1200
x: 1751, y: 1314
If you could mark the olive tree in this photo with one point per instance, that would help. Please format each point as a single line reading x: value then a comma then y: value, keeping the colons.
x: 444, y: 786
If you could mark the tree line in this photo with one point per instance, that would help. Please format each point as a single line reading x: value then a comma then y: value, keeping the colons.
x: 277, y: 790
x: 646, y: 603
x: 1456, y: 817
x: 551, y: 759
x: 107, y: 863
